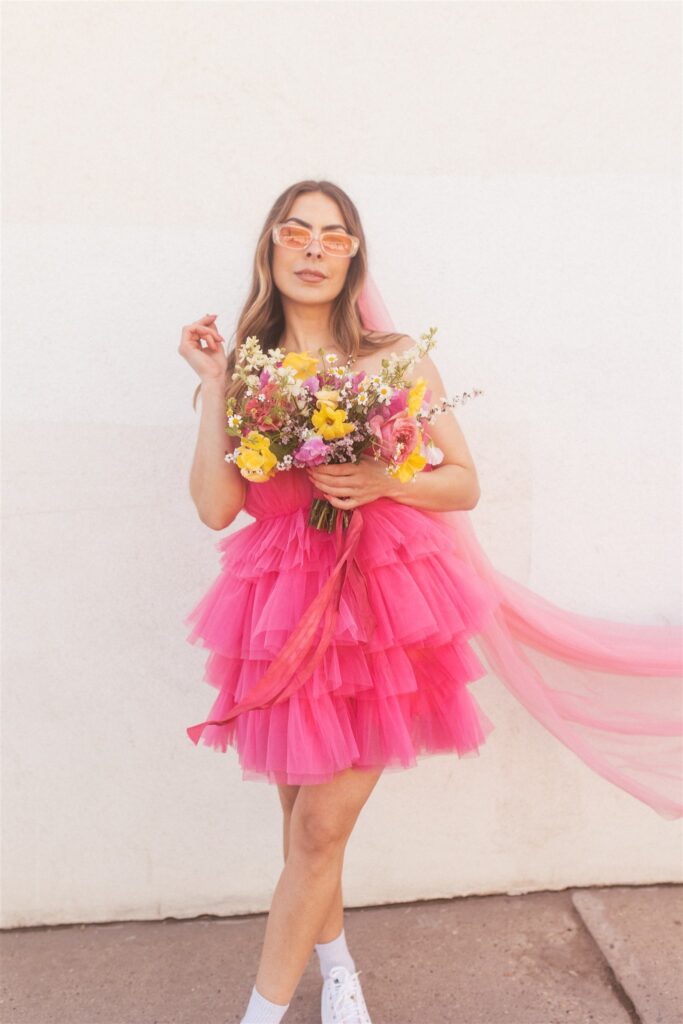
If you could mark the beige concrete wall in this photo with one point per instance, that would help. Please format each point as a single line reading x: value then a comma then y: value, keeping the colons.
x: 516, y: 167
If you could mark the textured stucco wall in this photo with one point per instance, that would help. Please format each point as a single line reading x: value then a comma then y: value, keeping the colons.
x: 516, y: 166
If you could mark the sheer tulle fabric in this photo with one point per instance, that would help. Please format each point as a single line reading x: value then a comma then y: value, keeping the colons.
x: 391, y: 681
x: 610, y: 691
x: 358, y: 648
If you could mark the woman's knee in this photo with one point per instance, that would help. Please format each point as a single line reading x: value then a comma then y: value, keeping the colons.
x: 323, y: 816
x: 318, y: 832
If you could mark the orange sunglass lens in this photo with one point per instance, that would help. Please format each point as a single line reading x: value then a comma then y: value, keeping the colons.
x: 334, y: 242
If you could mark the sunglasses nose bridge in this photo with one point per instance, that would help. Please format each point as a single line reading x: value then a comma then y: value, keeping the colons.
x: 313, y: 241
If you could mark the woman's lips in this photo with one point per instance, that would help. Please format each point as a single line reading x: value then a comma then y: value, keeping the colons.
x: 306, y: 275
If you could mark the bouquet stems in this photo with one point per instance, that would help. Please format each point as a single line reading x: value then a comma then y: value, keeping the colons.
x: 323, y: 515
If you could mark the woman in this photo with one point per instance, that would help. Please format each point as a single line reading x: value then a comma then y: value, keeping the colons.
x: 411, y: 588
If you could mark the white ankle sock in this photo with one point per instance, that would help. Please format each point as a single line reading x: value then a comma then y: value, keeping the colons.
x: 261, y: 1011
x: 334, y: 954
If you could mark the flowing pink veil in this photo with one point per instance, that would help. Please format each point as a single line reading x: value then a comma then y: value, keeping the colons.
x: 610, y: 691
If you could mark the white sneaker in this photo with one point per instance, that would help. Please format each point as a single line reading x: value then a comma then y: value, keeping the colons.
x: 342, y: 1000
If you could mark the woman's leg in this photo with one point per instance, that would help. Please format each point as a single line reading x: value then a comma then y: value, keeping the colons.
x: 334, y: 922
x: 321, y: 822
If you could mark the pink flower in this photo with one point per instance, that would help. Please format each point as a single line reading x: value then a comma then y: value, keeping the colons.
x: 263, y: 414
x: 311, y: 452
x: 399, y: 400
x: 399, y: 429
x: 356, y: 379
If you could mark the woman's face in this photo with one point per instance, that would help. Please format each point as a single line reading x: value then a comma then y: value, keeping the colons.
x: 319, y: 212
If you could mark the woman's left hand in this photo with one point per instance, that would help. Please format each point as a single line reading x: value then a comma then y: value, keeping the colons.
x: 349, y: 484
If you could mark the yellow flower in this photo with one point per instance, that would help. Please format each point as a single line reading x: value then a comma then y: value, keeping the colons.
x: 254, y: 457
x: 328, y: 396
x: 303, y: 363
x: 415, y: 396
x: 413, y: 464
x: 330, y: 423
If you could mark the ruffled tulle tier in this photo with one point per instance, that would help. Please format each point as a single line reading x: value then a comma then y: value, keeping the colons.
x: 379, y: 696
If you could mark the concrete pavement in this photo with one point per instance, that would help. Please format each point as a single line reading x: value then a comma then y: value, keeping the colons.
x: 592, y: 956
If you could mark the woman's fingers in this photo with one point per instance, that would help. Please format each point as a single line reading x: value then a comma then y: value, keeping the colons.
x: 203, y: 328
x: 208, y: 323
x: 209, y: 334
x: 338, y: 492
x: 208, y: 358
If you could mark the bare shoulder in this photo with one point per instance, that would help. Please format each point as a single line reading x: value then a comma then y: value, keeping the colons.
x: 371, y: 362
x: 400, y: 344
x: 427, y: 368
x: 423, y: 367
x: 445, y: 430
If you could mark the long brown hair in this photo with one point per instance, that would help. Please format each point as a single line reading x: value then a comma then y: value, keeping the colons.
x: 262, y: 314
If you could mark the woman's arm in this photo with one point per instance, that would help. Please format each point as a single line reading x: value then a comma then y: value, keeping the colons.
x: 453, y: 484
x: 217, y: 487
x: 441, y: 489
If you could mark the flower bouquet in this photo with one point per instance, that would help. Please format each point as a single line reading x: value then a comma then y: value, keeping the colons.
x: 293, y: 415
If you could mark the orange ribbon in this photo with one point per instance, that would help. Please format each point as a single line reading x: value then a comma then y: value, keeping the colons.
x: 298, y: 658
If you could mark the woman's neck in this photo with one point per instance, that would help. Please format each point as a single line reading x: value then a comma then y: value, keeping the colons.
x: 312, y: 345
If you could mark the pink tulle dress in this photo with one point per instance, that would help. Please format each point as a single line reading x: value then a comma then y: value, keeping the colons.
x: 332, y: 650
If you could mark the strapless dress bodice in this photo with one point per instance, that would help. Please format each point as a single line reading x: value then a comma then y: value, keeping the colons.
x: 285, y: 492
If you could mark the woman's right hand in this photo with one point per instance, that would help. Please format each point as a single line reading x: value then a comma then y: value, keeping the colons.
x: 210, y: 362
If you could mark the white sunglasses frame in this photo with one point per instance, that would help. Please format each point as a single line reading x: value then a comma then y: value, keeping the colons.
x: 276, y: 238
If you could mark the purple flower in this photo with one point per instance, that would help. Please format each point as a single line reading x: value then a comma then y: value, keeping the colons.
x: 311, y: 452
x: 264, y: 376
x: 312, y: 383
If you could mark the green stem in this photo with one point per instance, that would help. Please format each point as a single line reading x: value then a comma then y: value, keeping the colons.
x: 323, y: 515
